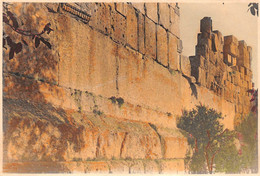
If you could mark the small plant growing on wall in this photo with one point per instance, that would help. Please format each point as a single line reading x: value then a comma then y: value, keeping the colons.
x: 213, y: 148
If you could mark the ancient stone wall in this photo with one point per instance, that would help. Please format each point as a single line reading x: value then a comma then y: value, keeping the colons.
x: 105, y: 98
x: 223, y: 66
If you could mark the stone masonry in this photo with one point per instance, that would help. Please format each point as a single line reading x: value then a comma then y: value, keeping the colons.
x: 223, y: 66
x: 106, y: 96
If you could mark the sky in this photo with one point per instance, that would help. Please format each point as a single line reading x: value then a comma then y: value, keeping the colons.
x: 228, y: 18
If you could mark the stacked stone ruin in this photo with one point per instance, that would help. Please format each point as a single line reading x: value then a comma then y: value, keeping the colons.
x: 223, y: 65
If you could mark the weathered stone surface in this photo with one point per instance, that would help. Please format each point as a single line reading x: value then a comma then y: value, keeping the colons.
x: 100, y: 18
x: 219, y: 42
x: 185, y: 65
x: 174, y: 143
x: 97, y: 167
x: 152, y: 11
x: 92, y: 70
x: 178, y: 165
x: 162, y: 46
x: 139, y: 6
x: 164, y: 15
x: 243, y: 59
x: 206, y: 25
x: 118, y: 167
x: 174, y: 23
x: 40, y: 63
x: 231, y: 45
x: 228, y: 59
x: 121, y: 7
x: 88, y: 136
x: 136, y: 167
x: 143, y: 81
x: 201, y: 76
x: 150, y: 38
x: 230, y: 39
x: 132, y: 27
x: 141, y: 34
x: 35, y: 167
x: 151, y: 167
x: 174, y: 60
x: 97, y: 98
x: 118, y: 27
x: 179, y: 46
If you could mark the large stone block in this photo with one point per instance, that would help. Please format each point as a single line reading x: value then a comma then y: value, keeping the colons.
x: 151, y: 167
x: 141, y: 34
x: 230, y: 39
x: 97, y: 167
x: 243, y: 59
x: 162, y: 46
x: 89, y: 65
x: 136, y: 167
x: 185, y: 65
x: 205, y: 39
x: 179, y: 46
x: 118, y: 167
x: 175, y: 147
x: 164, y: 15
x: 172, y: 166
x: 206, y: 25
x: 89, y: 102
x: 100, y: 18
x: 132, y: 27
x: 139, y: 6
x: 150, y: 38
x: 201, y: 77
x: 118, y: 27
x: 141, y: 147
x: 231, y: 49
x: 241, y: 70
x: 203, y: 50
x: 220, y: 40
x: 174, y: 60
x: 198, y: 61
x: 213, y: 57
x: 141, y: 78
x: 152, y: 11
x: 174, y: 26
x: 121, y: 7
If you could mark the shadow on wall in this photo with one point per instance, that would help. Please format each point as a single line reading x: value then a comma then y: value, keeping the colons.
x: 28, y: 60
x: 193, y: 88
x: 30, y: 66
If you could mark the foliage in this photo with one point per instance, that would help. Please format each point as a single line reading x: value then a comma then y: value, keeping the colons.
x: 10, y: 20
x: 254, y: 100
x: 253, y: 7
x: 247, y: 135
x: 209, y: 141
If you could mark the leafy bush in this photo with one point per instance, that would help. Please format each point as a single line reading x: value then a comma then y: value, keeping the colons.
x: 247, y: 134
x: 213, y: 147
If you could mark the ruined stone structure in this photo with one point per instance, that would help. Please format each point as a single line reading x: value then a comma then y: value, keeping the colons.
x: 105, y: 98
x: 223, y: 66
